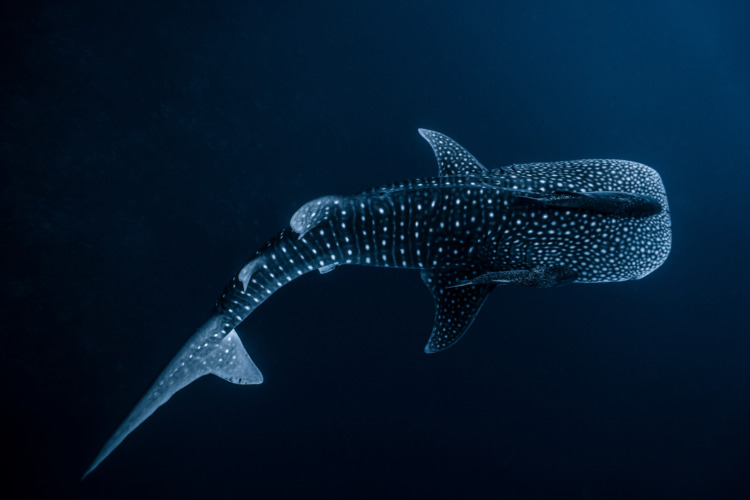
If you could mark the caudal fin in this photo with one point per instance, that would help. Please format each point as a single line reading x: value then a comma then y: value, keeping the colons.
x: 206, y: 352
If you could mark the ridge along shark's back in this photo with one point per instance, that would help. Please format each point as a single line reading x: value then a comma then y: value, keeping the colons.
x: 468, y: 230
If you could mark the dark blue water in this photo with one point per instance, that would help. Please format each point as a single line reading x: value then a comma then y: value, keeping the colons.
x: 149, y: 148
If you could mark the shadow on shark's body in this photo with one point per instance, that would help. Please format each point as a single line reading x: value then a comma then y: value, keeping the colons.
x: 468, y: 230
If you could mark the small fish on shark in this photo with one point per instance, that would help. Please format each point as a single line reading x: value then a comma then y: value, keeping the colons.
x: 468, y: 230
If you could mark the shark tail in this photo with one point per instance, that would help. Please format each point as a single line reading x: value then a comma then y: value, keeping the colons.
x: 207, y: 351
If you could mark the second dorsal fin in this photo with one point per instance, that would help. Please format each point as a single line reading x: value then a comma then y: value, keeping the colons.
x: 314, y: 213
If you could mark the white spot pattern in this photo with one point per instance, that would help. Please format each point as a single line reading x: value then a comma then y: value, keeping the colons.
x: 466, y: 222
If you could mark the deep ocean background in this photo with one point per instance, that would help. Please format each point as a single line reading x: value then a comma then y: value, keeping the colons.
x: 148, y: 148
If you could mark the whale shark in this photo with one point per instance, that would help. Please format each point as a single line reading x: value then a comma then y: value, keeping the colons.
x: 467, y: 230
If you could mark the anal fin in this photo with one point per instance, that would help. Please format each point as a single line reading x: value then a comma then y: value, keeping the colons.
x: 455, y: 307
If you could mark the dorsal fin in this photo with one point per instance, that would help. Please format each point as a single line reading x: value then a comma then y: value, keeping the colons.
x: 452, y: 158
x: 455, y: 308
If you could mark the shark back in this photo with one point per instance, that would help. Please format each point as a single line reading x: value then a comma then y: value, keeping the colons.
x: 606, y: 220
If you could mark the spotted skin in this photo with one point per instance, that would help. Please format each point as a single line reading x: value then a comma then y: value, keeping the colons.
x: 467, y: 230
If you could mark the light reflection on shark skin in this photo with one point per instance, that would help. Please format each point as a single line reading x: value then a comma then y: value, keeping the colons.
x: 467, y: 230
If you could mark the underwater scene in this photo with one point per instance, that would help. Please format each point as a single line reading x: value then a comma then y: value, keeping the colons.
x: 514, y: 236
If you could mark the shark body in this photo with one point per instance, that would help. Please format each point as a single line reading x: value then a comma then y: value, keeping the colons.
x: 467, y: 230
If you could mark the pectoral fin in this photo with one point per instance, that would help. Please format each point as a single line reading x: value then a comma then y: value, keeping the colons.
x: 455, y: 307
